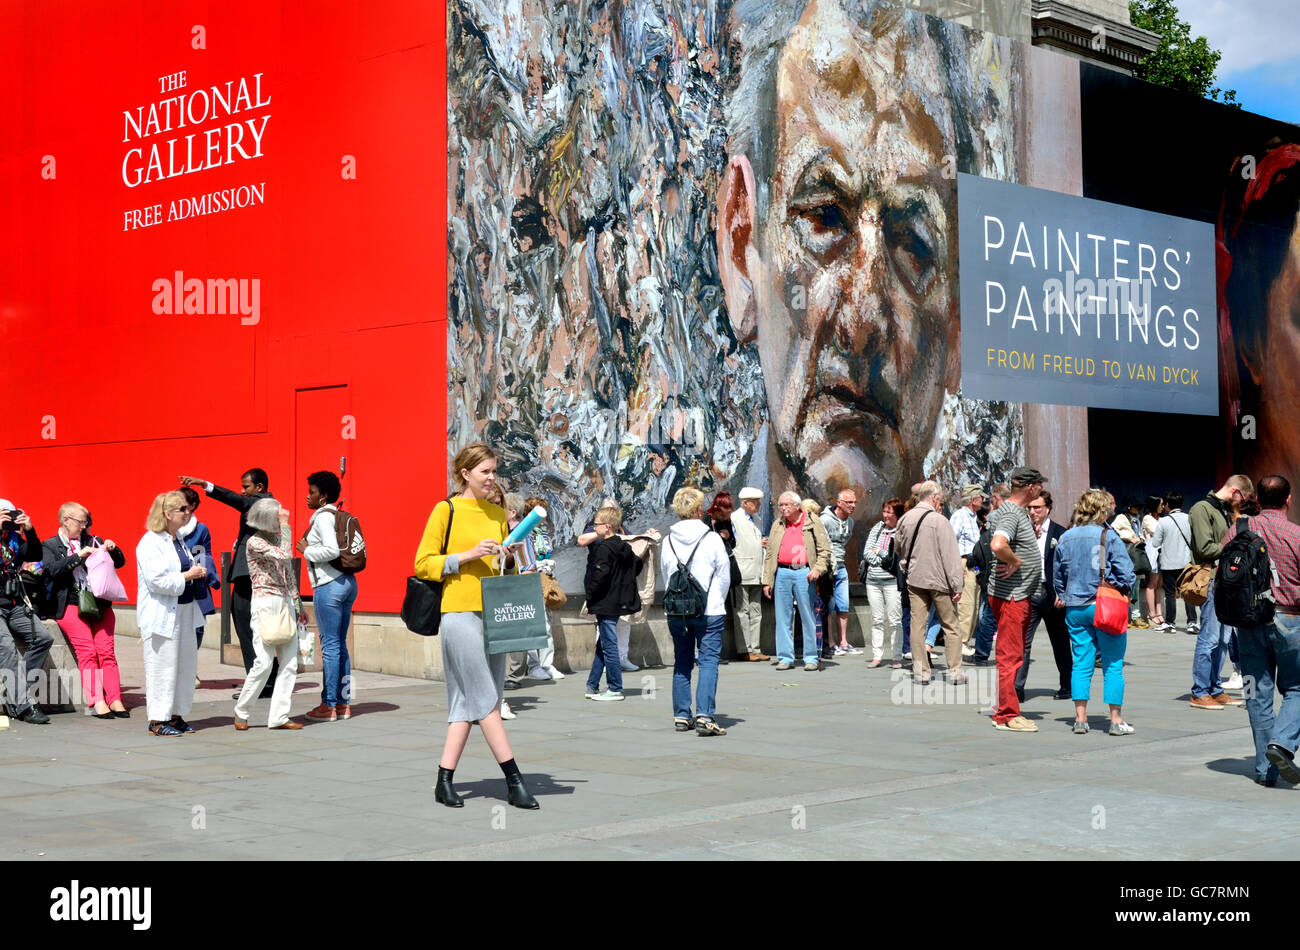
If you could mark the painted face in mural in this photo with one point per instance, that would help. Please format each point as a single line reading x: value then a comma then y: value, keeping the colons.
x: 1264, y: 292
x: 847, y: 276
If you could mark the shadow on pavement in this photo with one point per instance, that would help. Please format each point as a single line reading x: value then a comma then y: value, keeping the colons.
x: 539, y: 783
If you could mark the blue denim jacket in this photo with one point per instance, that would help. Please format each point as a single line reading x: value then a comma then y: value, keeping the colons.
x: 1077, y: 568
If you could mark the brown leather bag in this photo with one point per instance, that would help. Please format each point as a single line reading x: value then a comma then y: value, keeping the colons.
x: 1194, y: 584
x: 553, y: 593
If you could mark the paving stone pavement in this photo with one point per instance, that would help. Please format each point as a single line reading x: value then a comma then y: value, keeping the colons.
x: 845, y: 763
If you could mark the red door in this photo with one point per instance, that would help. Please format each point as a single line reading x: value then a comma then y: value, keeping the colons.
x: 324, y: 430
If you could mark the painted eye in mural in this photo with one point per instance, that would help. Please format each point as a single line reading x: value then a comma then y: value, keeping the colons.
x: 910, y: 236
x: 821, y: 221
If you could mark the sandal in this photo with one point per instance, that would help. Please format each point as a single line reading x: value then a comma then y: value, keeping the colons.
x: 164, y: 729
x: 707, y: 727
x: 684, y: 725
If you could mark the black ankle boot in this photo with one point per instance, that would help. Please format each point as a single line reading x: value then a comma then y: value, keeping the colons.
x: 520, y: 797
x: 446, y: 793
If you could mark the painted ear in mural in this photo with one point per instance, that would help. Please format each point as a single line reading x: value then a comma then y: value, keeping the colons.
x: 738, y: 260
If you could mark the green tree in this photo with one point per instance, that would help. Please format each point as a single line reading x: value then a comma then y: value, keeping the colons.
x: 1180, y: 61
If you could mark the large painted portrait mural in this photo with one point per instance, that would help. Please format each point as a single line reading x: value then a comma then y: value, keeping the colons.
x: 719, y: 249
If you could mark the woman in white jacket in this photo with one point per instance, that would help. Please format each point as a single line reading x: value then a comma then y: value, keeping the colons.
x: 691, y: 542
x: 167, y: 613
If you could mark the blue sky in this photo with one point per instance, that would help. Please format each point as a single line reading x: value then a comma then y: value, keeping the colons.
x: 1260, y: 42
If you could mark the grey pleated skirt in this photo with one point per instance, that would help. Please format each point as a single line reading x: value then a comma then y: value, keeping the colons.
x: 474, y: 680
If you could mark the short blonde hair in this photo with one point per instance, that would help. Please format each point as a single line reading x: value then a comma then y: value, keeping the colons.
x: 810, y: 505
x: 67, y: 508
x: 470, y: 458
x: 610, y: 516
x: 1093, y: 506
x: 166, y: 501
x: 688, y: 502
x: 1242, y: 483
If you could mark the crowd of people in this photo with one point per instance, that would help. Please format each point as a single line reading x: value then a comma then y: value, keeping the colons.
x: 69, y: 578
x: 982, y: 574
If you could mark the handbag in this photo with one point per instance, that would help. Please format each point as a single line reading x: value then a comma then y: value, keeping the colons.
x: 278, y: 628
x: 514, y: 613
x: 889, y: 560
x: 87, y: 606
x: 553, y: 593
x: 1137, y: 552
x: 422, y: 605
x: 1111, y: 615
x: 101, y: 576
x: 1194, y: 584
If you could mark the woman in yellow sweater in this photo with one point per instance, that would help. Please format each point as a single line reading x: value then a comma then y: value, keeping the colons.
x: 474, y: 679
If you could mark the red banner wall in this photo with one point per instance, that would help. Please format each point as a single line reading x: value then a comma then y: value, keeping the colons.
x: 327, y: 123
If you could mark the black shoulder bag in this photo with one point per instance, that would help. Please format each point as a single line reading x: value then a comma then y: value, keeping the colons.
x: 422, y: 605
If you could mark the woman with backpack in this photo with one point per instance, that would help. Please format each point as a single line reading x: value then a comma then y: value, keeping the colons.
x: 697, y: 576
x: 334, y: 591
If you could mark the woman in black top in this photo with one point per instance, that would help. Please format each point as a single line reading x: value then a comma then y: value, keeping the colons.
x: 64, y: 557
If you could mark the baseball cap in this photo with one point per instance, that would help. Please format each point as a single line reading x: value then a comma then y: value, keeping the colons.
x: 970, y: 492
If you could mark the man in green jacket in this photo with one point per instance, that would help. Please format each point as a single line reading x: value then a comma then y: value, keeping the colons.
x: 1209, y: 520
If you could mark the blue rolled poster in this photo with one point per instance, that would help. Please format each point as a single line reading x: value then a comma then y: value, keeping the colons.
x: 522, y: 530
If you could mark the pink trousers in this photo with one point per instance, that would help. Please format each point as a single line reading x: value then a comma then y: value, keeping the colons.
x: 96, y: 659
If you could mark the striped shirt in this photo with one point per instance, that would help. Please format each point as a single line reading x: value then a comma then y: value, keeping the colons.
x: 1282, y: 537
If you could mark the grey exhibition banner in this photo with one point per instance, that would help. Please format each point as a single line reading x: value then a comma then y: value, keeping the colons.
x: 1079, y: 302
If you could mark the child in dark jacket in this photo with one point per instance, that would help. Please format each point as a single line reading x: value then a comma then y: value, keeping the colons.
x: 611, y: 593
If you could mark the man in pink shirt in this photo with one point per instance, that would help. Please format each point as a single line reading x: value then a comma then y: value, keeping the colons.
x: 798, y: 552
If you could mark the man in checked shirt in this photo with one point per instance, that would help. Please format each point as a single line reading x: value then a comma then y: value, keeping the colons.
x: 1271, y: 653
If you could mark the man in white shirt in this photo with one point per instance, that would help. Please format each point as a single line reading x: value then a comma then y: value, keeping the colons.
x: 965, y: 524
x: 747, y: 596
x: 1173, y: 540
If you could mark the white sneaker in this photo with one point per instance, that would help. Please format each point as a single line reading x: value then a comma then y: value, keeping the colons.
x: 505, y: 711
x: 609, y: 696
x: 1233, y: 682
x: 967, y: 651
x: 555, y: 674
x: 853, y: 651
x: 839, y: 651
x: 537, y: 673
x: 1193, y: 628
x: 629, y: 666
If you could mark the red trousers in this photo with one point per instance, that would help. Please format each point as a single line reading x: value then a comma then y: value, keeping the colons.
x: 1013, y: 623
x: 96, y: 659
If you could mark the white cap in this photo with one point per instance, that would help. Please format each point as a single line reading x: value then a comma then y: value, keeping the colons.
x: 7, y: 505
x: 748, y: 492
